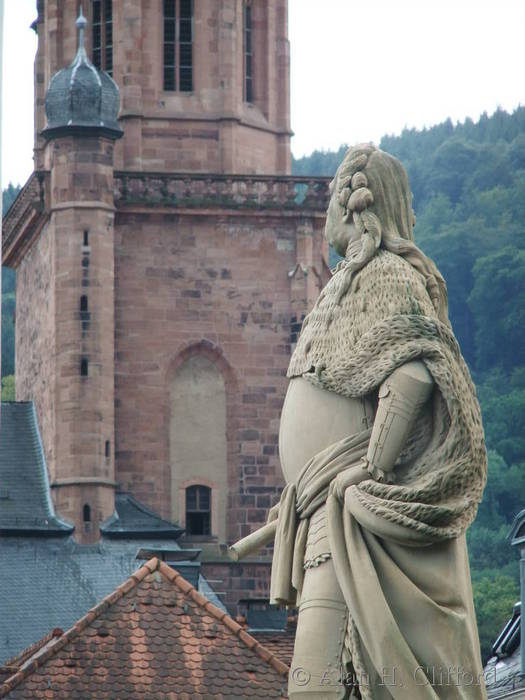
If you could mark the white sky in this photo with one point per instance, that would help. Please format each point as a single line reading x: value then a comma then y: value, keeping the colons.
x: 360, y: 69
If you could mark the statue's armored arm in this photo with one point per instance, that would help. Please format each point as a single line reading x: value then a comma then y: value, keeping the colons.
x: 401, y: 398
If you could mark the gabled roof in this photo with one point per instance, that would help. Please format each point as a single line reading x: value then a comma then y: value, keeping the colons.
x: 155, y: 638
x: 133, y: 519
x: 25, y: 501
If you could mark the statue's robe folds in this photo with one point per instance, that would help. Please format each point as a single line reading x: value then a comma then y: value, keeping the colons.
x: 398, y: 548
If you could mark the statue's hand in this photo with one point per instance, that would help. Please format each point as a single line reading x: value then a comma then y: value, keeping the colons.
x: 349, y: 477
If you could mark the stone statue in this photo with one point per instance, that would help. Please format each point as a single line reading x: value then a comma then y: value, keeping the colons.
x: 382, y: 449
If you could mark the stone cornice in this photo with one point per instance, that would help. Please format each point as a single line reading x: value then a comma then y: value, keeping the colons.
x: 212, y: 191
x: 25, y: 218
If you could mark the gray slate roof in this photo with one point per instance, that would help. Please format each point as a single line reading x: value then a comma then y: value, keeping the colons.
x: 25, y: 501
x: 133, y: 519
x: 47, y: 580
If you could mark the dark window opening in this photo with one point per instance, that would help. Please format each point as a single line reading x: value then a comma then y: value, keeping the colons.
x: 107, y: 449
x: 102, y: 35
x: 198, y: 510
x: 86, y: 513
x: 84, y: 366
x: 260, y: 615
x: 83, y: 303
x: 178, y: 45
x: 248, y: 53
x: 86, y: 238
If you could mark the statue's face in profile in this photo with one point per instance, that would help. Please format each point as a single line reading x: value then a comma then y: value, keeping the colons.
x: 339, y: 230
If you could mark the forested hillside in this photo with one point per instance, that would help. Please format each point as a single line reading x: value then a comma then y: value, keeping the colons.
x: 468, y: 182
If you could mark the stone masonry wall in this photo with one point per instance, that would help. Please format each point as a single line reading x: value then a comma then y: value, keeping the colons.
x: 217, y: 285
x: 35, y: 337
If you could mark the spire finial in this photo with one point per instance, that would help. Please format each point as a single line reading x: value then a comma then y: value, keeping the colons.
x: 81, y: 25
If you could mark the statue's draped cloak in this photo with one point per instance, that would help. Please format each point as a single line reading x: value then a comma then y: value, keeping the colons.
x: 398, y: 548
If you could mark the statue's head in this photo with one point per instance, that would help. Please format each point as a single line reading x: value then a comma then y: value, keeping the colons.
x: 370, y: 202
x: 371, y: 208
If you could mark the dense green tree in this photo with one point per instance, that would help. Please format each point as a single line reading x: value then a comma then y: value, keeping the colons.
x: 8, y: 196
x: 453, y: 162
x: 8, y: 388
x: 516, y: 152
x: 494, y: 598
x: 497, y: 301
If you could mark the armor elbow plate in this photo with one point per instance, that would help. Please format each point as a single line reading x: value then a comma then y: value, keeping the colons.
x: 401, y: 398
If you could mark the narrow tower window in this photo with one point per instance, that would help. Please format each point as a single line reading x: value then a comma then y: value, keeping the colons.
x: 178, y: 45
x: 102, y: 36
x: 83, y: 303
x: 108, y: 449
x: 198, y: 510
x: 86, y: 238
x: 186, y: 46
x: 248, y: 53
x: 84, y: 367
x: 86, y: 513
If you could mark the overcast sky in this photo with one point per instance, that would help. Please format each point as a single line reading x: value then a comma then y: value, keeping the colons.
x: 360, y: 69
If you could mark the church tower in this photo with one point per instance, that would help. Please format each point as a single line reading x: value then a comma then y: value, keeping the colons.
x: 164, y: 263
x: 204, y: 84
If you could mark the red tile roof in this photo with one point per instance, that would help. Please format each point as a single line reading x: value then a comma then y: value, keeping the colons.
x: 155, y: 638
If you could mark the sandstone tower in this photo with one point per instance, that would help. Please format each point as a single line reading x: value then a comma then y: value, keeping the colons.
x: 164, y: 263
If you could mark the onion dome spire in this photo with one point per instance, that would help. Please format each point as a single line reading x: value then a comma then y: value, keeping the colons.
x: 81, y: 98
